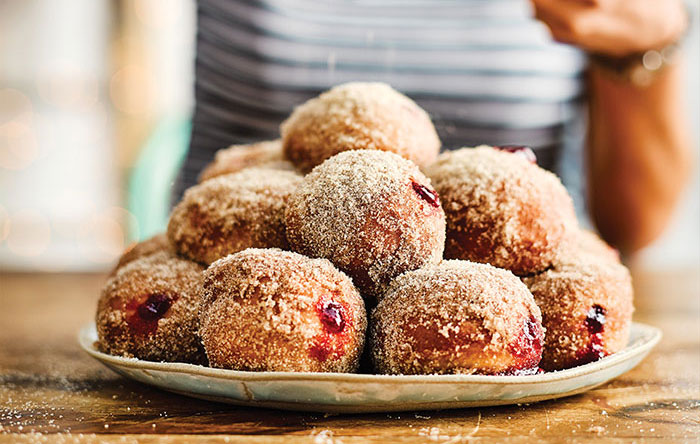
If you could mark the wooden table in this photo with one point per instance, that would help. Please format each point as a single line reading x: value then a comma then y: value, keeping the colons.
x: 53, y: 392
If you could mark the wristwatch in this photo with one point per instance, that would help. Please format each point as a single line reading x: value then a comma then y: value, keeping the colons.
x: 638, y: 69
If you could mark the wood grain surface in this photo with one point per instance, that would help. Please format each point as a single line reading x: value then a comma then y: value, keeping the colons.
x: 53, y: 392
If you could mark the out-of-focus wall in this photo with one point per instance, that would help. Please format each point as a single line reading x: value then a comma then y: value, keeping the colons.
x: 153, y: 69
x: 58, y: 194
x: 83, y: 83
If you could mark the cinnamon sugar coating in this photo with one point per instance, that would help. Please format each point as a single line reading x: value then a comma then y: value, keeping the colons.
x: 273, y: 310
x: 456, y: 317
x: 372, y: 213
x: 230, y: 213
x: 267, y: 154
x: 590, y: 243
x: 355, y: 116
x: 148, y: 310
x: 152, y: 245
x: 501, y: 209
x: 586, y: 302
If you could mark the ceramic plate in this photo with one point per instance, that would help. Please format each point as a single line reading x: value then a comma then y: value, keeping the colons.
x: 356, y: 393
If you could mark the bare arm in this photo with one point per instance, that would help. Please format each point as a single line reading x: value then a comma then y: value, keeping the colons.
x: 639, y: 156
x: 639, y: 152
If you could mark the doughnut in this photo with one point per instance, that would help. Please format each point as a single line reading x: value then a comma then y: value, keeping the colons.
x: 148, y: 310
x: 152, y: 245
x: 274, y: 310
x: 588, y: 242
x: 267, y: 154
x: 458, y: 317
x: 358, y: 116
x: 586, y: 303
x: 372, y: 213
x: 501, y: 208
x: 230, y: 213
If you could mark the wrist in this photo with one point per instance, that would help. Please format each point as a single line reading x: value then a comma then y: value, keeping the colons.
x: 638, y: 69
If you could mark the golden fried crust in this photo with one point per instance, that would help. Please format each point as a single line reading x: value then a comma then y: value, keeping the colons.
x: 501, y: 209
x: 230, y: 213
x: 586, y: 302
x: 156, y: 244
x: 357, y: 116
x: 273, y: 310
x: 266, y: 154
x: 148, y: 310
x: 588, y: 242
x: 362, y: 211
x: 456, y: 317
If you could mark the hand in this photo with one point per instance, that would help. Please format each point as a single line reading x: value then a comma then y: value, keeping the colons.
x: 613, y: 27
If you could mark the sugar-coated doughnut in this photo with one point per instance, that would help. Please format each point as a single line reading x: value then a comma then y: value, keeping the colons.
x: 152, y: 245
x: 589, y: 242
x: 586, y: 302
x: 456, y: 317
x: 230, y: 213
x: 273, y: 310
x: 267, y: 154
x: 372, y: 213
x: 502, y: 209
x: 356, y: 116
x: 149, y: 308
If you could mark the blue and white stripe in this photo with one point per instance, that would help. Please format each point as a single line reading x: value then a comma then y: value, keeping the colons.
x: 485, y: 70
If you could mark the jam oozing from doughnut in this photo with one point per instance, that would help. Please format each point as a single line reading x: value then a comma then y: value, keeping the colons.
x: 155, y: 307
x: 331, y: 342
x: 142, y: 316
x: 595, y: 324
x: 327, y: 346
x: 426, y: 194
x: 524, y: 151
x: 595, y: 319
x: 320, y: 351
x: 332, y: 317
x: 527, y: 348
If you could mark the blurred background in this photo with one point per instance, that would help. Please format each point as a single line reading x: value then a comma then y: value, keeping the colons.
x: 95, y: 105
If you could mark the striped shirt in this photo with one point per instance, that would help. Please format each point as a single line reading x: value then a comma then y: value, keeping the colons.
x: 485, y: 70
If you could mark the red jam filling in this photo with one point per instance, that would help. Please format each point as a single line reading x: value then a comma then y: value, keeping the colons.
x: 142, y: 316
x: 320, y: 351
x: 523, y: 151
x: 595, y: 319
x: 330, y: 343
x: 527, y: 349
x: 332, y: 317
x: 595, y: 325
x: 426, y: 194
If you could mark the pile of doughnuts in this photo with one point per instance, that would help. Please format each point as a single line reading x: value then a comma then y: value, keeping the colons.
x: 351, y: 239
